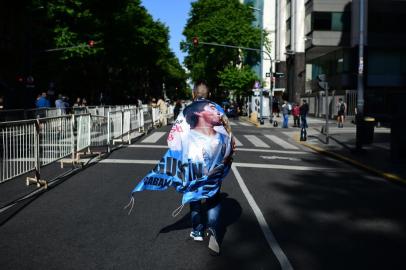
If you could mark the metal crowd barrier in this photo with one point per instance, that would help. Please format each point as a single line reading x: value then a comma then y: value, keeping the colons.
x: 28, y: 145
x: 99, y: 134
x: 19, y: 148
x: 56, y: 138
x: 83, y: 132
x: 155, y: 116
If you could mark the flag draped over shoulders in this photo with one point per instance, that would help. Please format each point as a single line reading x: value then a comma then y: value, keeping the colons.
x: 199, y: 142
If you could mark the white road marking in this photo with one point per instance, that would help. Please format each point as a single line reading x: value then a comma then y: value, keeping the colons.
x: 238, y: 149
x: 272, y: 151
x: 385, y: 146
x: 232, y: 124
x: 154, y: 137
x: 147, y: 146
x: 256, y: 141
x: 281, y: 142
x: 287, y: 167
x: 237, y: 164
x: 278, y: 157
x: 245, y: 124
x: 237, y: 142
x: 129, y: 161
x: 269, y: 236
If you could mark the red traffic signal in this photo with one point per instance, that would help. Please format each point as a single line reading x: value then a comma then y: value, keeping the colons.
x: 20, y: 79
x: 90, y: 43
x: 195, y: 41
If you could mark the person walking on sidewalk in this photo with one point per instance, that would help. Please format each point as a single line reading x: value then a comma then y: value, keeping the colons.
x: 342, y: 108
x: 296, y: 114
x: 304, y: 109
x: 286, y: 108
x: 163, y: 109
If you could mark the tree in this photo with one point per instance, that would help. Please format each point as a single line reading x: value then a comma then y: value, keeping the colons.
x: 130, y: 57
x: 239, y: 81
x: 224, y: 22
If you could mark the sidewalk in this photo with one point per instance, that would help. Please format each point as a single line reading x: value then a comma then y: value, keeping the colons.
x: 374, y: 158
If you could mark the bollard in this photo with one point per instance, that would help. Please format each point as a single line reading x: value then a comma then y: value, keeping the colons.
x: 303, y: 134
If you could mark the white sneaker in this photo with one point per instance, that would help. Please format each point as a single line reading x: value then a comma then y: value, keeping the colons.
x: 214, y: 246
x: 197, y: 236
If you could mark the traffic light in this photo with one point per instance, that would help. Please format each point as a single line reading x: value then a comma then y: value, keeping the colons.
x: 20, y: 79
x: 195, y: 41
x: 322, y: 81
x: 90, y: 43
x: 279, y: 74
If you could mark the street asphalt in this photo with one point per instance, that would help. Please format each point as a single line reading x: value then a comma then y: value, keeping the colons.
x: 284, y: 207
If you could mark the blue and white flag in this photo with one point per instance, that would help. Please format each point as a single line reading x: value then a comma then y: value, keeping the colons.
x: 199, y: 155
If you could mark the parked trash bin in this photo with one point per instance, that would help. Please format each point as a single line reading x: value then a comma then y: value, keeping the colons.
x: 367, y: 130
x: 398, y: 135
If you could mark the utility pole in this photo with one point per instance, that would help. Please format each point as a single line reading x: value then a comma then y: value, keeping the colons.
x: 323, y: 84
x: 261, y: 93
x: 360, y: 84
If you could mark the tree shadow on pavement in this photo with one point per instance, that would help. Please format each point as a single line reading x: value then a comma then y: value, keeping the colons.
x: 339, y: 221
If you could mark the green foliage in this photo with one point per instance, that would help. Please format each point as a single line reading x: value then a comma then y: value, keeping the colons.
x: 237, y: 81
x: 223, y: 22
x: 131, y: 56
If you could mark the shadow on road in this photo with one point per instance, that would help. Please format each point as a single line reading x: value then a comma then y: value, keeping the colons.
x: 230, y: 213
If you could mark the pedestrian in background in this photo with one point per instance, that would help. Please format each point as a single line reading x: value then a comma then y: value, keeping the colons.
x: 296, y: 115
x: 78, y: 102
x: 286, y: 108
x: 177, y: 109
x: 341, y: 108
x: 304, y: 109
x: 42, y: 101
x: 163, y: 109
x: 61, y: 104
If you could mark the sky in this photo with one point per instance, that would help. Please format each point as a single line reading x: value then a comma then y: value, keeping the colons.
x: 174, y: 14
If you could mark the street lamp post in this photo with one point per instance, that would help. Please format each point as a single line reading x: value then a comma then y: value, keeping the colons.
x: 261, y: 94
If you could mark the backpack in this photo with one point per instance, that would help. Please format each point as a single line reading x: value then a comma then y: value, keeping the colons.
x: 342, y: 107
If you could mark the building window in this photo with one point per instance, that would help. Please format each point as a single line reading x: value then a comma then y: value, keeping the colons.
x: 331, y: 21
x: 288, y: 31
x: 322, y: 21
x: 308, y: 23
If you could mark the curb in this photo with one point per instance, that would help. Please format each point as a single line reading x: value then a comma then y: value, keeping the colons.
x: 249, y: 121
x: 386, y: 175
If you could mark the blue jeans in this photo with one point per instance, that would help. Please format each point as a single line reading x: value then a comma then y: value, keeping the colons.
x: 285, y: 120
x: 213, y: 208
x: 304, y: 121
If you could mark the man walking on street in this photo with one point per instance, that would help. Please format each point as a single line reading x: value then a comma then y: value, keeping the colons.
x: 202, y: 119
x: 304, y: 109
x: 201, y: 146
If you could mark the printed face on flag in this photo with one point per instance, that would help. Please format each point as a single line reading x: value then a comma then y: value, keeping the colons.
x: 210, y: 115
x: 199, y: 144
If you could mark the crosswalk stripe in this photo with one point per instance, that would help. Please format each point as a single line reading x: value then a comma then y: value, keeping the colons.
x: 154, y: 137
x: 237, y: 142
x: 281, y: 142
x: 256, y: 141
x: 232, y: 124
x: 245, y: 124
